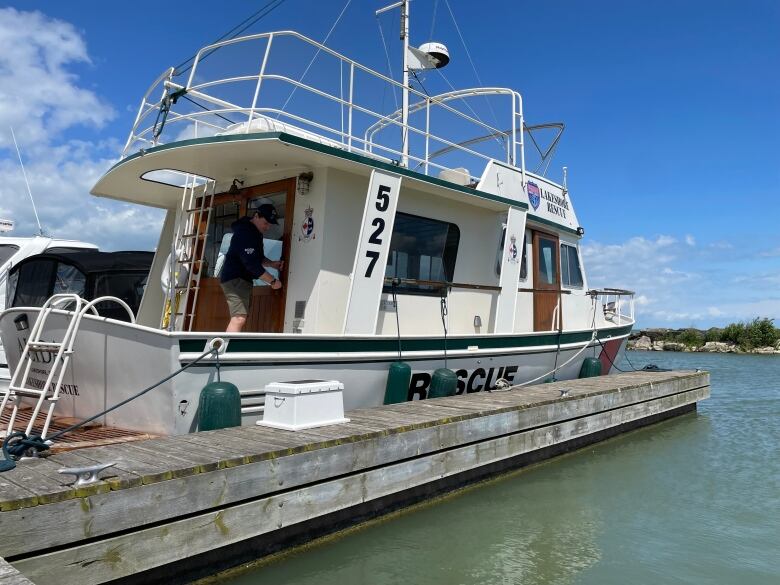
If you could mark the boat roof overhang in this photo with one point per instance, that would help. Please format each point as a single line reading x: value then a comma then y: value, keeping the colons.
x: 223, y: 158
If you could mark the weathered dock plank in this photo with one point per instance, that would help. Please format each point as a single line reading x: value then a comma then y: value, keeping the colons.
x: 120, y: 556
x: 216, y: 481
x: 10, y: 576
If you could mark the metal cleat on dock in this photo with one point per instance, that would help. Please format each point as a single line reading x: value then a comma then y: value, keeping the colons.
x: 86, y: 475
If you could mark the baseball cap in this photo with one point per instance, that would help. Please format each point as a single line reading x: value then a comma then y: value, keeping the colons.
x: 268, y: 212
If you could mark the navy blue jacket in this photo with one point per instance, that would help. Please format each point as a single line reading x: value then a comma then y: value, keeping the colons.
x: 244, y: 258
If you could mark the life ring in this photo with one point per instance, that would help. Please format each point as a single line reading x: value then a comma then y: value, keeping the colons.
x: 180, y: 276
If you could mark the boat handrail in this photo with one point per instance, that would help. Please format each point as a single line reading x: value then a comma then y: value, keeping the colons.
x: 356, y: 124
x: 441, y: 284
x: 617, y: 304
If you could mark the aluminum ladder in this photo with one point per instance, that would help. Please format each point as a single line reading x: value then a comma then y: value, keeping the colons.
x: 61, y: 352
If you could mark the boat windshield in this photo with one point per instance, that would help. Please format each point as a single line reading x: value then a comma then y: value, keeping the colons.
x: 6, y: 251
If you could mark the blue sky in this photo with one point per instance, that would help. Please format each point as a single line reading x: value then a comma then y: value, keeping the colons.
x: 672, y: 113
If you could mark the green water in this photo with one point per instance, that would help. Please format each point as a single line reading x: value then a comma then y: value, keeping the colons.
x: 693, y: 500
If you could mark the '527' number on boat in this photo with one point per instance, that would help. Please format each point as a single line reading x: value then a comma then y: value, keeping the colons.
x: 378, y: 223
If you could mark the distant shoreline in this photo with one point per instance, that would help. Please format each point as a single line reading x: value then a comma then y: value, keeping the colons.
x: 710, y: 341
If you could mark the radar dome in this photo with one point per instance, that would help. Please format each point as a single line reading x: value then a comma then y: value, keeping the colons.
x: 438, y: 51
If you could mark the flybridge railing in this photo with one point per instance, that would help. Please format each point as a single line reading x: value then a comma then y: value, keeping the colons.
x: 350, y: 118
x: 617, y: 304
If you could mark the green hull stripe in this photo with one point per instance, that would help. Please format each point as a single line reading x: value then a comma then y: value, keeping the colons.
x: 330, y: 150
x: 384, y: 345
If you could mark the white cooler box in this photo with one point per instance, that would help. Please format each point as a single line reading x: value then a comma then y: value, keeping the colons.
x: 303, y: 404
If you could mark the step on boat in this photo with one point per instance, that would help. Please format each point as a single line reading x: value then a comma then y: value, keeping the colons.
x: 415, y: 233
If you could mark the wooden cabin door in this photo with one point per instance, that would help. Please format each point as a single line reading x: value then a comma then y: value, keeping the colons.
x: 266, y: 313
x: 547, y: 281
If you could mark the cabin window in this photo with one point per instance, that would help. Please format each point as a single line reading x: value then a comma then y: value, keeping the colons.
x: 571, y: 275
x: 422, y: 250
x: 128, y: 286
x: 272, y: 239
x: 69, y: 279
x: 548, y: 262
x: 13, y: 280
x: 217, y: 244
x: 34, y: 283
x: 6, y: 251
x: 500, y: 256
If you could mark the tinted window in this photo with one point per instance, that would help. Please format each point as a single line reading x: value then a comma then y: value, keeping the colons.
x: 13, y: 280
x: 69, y: 279
x: 6, y: 251
x: 548, y: 261
x: 422, y: 249
x: 571, y: 275
x: 128, y: 286
x: 500, y: 256
x: 34, y: 284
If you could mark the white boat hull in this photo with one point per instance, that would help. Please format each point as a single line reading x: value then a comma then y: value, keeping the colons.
x: 113, y: 360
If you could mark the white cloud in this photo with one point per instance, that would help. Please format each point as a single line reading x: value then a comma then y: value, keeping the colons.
x: 690, y: 240
x: 44, y: 100
x: 38, y: 93
x: 678, y: 285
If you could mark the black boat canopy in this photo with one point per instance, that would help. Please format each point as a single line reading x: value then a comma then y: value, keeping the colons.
x: 87, y: 273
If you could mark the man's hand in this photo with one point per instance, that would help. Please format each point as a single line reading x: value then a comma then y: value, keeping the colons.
x: 277, y: 284
x: 278, y: 265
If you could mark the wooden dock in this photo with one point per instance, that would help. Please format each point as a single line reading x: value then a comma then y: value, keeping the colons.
x: 177, y: 508
x: 10, y: 576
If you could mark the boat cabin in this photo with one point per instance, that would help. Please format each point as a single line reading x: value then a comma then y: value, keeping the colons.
x: 410, y: 221
x: 88, y: 273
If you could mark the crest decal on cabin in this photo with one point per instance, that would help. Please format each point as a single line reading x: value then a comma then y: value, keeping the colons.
x: 534, y: 195
x: 307, y: 226
x: 511, y: 251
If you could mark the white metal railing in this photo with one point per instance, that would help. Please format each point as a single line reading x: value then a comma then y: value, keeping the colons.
x: 158, y: 118
x: 616, y: 304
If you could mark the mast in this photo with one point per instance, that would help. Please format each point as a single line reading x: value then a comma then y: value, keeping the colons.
x: 404, y: 6
x: 405, y: 94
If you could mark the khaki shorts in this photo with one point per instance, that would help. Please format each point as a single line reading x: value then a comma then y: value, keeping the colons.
x: 238, y: 293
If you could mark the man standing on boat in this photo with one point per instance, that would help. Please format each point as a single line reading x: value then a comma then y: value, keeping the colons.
x: 245, y: 261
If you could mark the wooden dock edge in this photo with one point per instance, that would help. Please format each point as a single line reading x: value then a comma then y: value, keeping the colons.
x: 180, y: 529
x: 10, y: 576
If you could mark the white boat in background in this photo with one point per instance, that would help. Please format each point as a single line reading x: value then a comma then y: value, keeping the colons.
x: 414, y: 233
x: 12, y: 251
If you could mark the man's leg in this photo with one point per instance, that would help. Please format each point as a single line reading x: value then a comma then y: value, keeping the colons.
x: 236, y: 324
x: 238, y: 294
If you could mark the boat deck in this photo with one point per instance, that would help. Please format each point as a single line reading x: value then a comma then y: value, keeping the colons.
x: 90, y: 435
x: 176, y: 508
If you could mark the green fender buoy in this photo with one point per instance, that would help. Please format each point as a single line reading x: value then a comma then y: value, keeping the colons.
x: 219, y: 407
x: 398, y: 378
x: 591, y: 367
x: 444, y: 382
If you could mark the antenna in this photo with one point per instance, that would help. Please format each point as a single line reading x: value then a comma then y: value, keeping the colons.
x: 428, y: 56
x: 26, y: 182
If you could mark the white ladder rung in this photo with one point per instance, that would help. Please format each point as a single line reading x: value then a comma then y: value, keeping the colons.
x: 44, y: 346
x: 32, y: 393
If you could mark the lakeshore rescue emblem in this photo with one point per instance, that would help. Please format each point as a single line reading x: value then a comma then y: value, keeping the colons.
x: 534, y: 195
x: 307, y: 226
